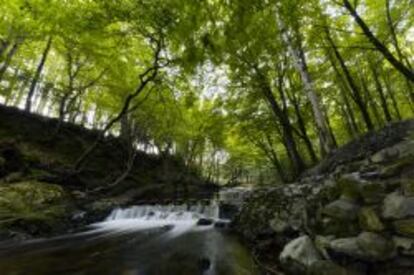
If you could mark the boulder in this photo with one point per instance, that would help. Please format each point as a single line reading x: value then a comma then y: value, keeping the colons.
x: 372, y: 192
x: 367, y: 246
x: 299, y: 254
x: 405, y: 227
x: 396, y: 206
x: 375, y: 247
x: 326, y: 268
x: 407, y: 186
x: 369, y: 220
x: 349, y: 186
x: 342, y: 209
x: 404, y: 245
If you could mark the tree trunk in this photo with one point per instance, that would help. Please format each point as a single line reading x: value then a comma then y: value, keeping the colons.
x: 36, y: 77
x: 350, y: 117
x: 392, y: 96
x: 380, y: 90
x: 325, y: 139
x: 404, y: 70
x: 287, y: 132
x: 8, y: 59
x: 356, y: 94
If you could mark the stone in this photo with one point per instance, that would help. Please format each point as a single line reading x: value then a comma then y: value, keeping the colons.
x: 347, y: 246
x: 369, y: 220
x: 299, y: 253
x: 405, y: 227
x: 407, y: 186
x: 349, y: 186
x: 372, y: 192
x: 396, y: 206
x: 375, y: 247
x: 367, y: 246
x: 404, y: 245
x: 326, y: 268
x: 342, y: 209
x: 399, y: 150
x: 322, y: 244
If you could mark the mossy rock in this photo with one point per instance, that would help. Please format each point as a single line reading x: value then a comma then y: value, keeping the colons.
x: 326, y: 268
x: 369, y: 220
x: 405, y: 227
x: 396, y: 167
x: 372, y: 192
x: 349, y: 187
x: 31, y: 201
x: 407, y: 185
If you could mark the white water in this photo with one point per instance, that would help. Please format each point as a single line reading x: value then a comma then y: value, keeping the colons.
x: 181, y: 218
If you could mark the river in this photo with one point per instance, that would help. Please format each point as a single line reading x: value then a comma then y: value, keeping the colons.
x: 140, y: 240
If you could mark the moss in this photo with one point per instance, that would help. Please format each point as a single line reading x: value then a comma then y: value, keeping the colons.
x: 372, y: 192
x: 349, y: 188
x: 405, y: 227
x: 396, y: 167
x: 407, y: 185
x: 31, y: 201
x: 369, y: 220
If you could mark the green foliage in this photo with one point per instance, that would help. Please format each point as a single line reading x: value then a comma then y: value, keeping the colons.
x: 207, y: 104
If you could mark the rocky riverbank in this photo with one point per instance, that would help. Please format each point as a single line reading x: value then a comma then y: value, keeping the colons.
x: 42, y: 195
x: 353, y: 214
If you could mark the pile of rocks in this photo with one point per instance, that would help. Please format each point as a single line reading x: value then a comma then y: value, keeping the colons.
x: 358, y: 219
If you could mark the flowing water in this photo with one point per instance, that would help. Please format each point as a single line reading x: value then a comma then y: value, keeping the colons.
x: 140, y: 240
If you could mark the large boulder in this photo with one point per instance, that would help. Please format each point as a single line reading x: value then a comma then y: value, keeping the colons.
x: 32, y: 206
x: 369, y: 220
x: 342, y: 209
x: 299, y: 254
x: 367, y: 246
x: 405, y: 227
x: 397, y: 206
x: 326, y: 268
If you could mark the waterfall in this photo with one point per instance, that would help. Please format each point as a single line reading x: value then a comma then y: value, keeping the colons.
x: 178, y: 218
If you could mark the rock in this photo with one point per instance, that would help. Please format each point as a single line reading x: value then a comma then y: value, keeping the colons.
x: 400, y: 150
x: 404, y: 245
x: 326, y: 268
x: 342, y: 209
x: 375, y: 247
x: 372, y: 192
x: 204, y: 222
x: 299, y: 254
x: 322, y: 244
x: 407, y: 186
x: 349, y: 186
x: 369, y: 220
x: 405, y: 227
x: 397, y: 206
x: 367, y: 246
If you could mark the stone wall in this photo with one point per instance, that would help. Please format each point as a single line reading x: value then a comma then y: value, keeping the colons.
x: 357, y: 219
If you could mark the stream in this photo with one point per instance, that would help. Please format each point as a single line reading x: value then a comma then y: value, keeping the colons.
x: 139, y: 240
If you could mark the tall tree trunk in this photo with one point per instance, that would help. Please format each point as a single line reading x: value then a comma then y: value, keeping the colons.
x: 392, y: 96
x: 287, y: 132
x: 410, y: 88
x: 296, y: 51
x: 302, y: 128
x: 350, y: 117
x: 356, y: 94
x: 407, y: 72
x: 380, y: 90
x: 36, y: 77
x: 372, y: 103
x: 8, y: 59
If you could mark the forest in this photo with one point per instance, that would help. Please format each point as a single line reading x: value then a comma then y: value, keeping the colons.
x: 288, y: 123
x: 246, y: 91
